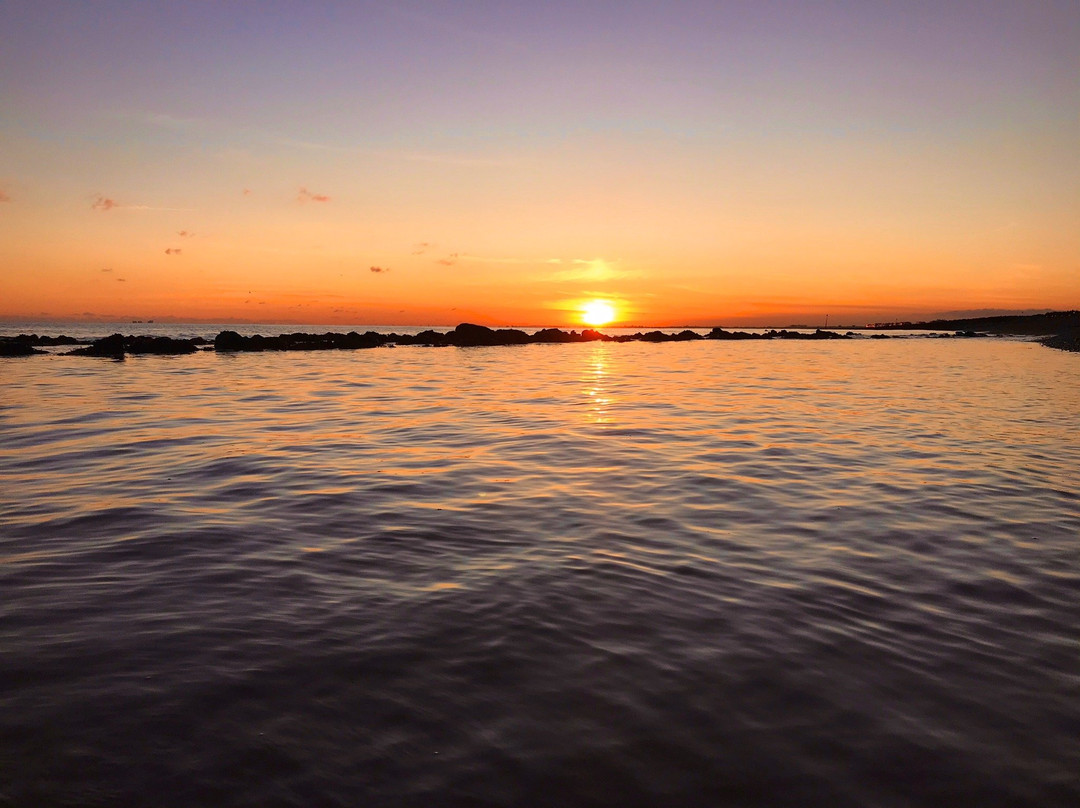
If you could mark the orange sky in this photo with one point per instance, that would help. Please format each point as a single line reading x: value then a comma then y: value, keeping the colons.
x: 753, y: 168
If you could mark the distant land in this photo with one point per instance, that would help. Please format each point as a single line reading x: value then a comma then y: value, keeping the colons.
x: 1051, y: 322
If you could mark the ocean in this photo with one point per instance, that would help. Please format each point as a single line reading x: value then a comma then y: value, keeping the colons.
x: 840, y: 573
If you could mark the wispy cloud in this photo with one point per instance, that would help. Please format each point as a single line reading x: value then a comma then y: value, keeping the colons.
x: 246, y: 192
x: 588, y: 269
x: 308, y: 196
x: 379, y: 270
x: 173, y: 251
x: 107, y: 269
x: 449, y: 261
x: 185, y: 234
x: 4, y: 196
x: 421, y: 247
x: 103, y: 203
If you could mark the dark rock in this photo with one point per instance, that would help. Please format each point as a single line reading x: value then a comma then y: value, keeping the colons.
x: 229, y: 341
x: 298, y: 341
x: 1068, y: 340
x: 468, y: 335
x: 592, y: 335
x: 15, y: 347
x: 117, y: 345
x: 654, y: 336
x: 161, y: 346
x: 552, y: 335
x: 111, y: 346
x: 34, y: 339
x: 430, y: 337
x: 720, y: 333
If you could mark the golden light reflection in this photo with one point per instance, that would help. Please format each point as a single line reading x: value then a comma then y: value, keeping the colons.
x: 598, y: 312
x: 597, y: 387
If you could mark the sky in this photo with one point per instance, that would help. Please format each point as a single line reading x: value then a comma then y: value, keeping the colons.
x: 690, y: 163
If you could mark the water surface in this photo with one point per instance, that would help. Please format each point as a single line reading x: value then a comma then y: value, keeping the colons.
x: 678, y: 574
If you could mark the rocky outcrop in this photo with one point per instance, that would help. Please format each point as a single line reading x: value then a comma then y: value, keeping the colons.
x: 232, y: 341
x: 465, y: 335
x: 1065, y: 341
x: 116, y: 346
x: 10, y: 346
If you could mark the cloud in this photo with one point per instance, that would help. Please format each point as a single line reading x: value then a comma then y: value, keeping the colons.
x: 107, y: 269
x: 4, y: 196
x: 103, y: 203
x: 121, y: 280
x: 246, y: 192
x: 173, y: 251
x: 449, y: 261
x: 185, y: 234
x: 421, y: 247
x: 378, y: 270
x: 307, y: 196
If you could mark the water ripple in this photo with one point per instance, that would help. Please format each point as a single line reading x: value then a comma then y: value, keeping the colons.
x: 708, y: 574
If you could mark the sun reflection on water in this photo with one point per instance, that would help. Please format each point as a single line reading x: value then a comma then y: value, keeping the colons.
x: 598, y: 385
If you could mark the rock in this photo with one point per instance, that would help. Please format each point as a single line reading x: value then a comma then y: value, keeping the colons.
x: 1068, y: 340
x: 111, y: 346
x: 117, y: 345
x: 468, y: 335
x: 229, y: 341
x: 161, y: 346
x: 15, y: 347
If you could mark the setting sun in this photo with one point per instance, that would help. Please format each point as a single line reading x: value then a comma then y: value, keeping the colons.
x: 598, y: 312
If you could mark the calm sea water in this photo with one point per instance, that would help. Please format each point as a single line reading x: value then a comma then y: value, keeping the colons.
x: 694, y: 574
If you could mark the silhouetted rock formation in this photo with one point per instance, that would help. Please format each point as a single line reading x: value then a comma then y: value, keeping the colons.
x: 232, y: 341
x: 468, y: 335
x: 719, y: 333
x: 13, y: 346
x: 117, y: 345
x: 465, y: 335
x: 1065, y: 341
x: 26, y: 344
x: 34, y: 339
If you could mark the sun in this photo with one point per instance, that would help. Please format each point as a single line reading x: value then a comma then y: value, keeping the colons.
x: 597, y: 312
